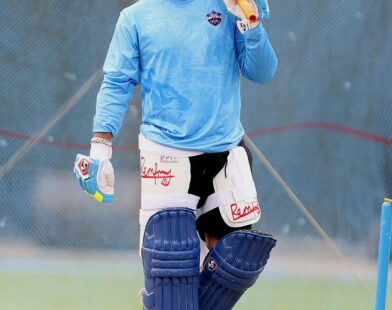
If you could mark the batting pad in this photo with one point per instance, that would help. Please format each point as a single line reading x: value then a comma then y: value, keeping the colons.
x: 171, y: 254
x: 231, y: 267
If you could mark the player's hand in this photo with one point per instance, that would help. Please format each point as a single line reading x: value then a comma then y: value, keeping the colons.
x: 260, y: 7
x: 95, y: 173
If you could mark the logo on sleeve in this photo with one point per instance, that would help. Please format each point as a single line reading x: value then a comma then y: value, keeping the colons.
x: 214, y: 18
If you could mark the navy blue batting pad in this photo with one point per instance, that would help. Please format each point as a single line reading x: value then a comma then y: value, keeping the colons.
x: 231, y: 267
x: 171, y: 255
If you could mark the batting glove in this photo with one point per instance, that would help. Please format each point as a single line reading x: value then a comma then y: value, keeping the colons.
x: 95, y: 173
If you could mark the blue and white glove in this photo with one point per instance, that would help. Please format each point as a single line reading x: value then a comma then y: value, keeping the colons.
x: 95, y: 173
x: 232, y: 9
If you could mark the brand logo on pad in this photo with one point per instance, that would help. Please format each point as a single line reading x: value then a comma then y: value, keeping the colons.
x: 239, y: 212
x: 212, y: 265
x: 214, y: 18
x: 84, y: 166
x: 155, y: 173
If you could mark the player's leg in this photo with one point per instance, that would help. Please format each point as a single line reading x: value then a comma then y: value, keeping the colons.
x: 235, y: 262
x: 170, y: 246
x: 231, y: 267
x: 171, y: 255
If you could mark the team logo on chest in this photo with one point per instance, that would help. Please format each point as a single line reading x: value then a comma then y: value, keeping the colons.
x: 214, y: 18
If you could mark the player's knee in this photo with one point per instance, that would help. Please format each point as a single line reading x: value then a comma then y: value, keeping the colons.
x: 211, y: 240
x: 229, y: 270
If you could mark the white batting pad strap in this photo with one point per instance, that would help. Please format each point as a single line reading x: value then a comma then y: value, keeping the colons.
x: 164, y: 201
x: 227, y: 197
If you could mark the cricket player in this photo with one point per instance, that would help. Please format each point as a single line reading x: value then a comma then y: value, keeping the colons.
x: 188, y: 56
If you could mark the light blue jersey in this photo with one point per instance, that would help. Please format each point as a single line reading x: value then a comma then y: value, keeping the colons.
x: 187, y: 56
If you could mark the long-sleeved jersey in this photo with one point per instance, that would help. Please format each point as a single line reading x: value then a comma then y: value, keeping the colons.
x: 187, y: 56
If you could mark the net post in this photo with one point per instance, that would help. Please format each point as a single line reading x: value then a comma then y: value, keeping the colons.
x: 383, y: 254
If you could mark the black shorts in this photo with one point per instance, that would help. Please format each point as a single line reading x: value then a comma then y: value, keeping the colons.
x: 204, y: 168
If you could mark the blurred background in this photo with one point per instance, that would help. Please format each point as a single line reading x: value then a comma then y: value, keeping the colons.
x: 324, y: 122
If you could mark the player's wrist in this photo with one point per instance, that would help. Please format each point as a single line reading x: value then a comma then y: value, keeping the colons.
x: 104, y: 135
x: 100, y: 140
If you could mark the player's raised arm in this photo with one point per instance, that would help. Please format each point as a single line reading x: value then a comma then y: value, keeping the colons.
x: 255, y: 54
x: 95, y: 173
x: 256, y: 57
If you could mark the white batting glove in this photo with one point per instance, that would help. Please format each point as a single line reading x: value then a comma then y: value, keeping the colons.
x: 95, y: 173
